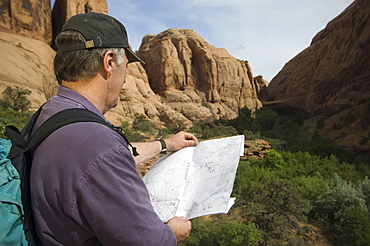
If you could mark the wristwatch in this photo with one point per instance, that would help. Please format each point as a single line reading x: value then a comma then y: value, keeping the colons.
x: 164, y: 146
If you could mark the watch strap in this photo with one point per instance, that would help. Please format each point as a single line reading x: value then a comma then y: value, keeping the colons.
x: 163, y: 144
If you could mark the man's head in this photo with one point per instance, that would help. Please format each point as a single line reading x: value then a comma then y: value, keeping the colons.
x: 82, y: 43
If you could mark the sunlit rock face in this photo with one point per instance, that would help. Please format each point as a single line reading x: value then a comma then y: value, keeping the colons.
x: 332, y: 74
x: 201, y: 81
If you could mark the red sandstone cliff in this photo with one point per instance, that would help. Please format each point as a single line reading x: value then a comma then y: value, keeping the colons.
x: 216, y: 86
x: 331, y: 79
x: 203, y: 82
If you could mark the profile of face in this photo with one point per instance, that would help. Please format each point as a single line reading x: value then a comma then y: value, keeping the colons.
x: 115, y: 82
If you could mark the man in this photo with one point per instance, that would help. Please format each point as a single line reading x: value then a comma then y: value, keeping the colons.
x: 85, y: 187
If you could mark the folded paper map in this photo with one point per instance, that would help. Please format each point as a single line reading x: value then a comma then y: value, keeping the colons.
x: 195, y: 181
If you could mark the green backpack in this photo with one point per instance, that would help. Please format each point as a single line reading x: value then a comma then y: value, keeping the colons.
x: 11, y: 209
x: 16, y: 220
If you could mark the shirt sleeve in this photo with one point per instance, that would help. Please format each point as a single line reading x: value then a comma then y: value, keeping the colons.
x: 115, y: 202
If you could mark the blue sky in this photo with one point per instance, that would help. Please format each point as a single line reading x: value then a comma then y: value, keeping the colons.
x: 267, y: 33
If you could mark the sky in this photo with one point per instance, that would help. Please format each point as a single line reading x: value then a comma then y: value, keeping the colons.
x: 267, y: 33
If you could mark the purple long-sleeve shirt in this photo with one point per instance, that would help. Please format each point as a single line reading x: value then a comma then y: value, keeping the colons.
x: 85, y: 185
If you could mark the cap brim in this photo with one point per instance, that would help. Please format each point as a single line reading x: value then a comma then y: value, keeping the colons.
x: 132, y: 57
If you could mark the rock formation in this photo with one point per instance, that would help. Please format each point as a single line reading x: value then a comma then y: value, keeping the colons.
x: 215, y: 85
x: 331, y: 75
x: 187, y: 79
x: 335, y: 65
x: 199, y: 80
x: 64, y: 9
x: 27, y: 62
x: 29, y: 18
x: 137, y: 98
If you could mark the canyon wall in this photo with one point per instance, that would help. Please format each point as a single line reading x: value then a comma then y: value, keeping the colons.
x: 201, y: 82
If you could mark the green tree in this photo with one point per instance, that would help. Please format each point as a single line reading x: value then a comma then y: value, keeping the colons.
x: 243, y: 121
x: 273, y: 160
x: 16, y: 99
x: 14, y: 108
x: 274, y: 206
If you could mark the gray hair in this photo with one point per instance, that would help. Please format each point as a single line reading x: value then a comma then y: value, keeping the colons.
x: 80, y: 64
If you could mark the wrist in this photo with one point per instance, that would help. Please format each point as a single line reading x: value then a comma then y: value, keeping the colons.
x: 163, y: 145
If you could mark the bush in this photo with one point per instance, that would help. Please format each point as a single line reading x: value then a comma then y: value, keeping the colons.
x: 16, y: 99
x: 131, y: 134
x: 222, y: 231
x: 340, y: 196
x: 344, y: 212
x: 243, y: 121
x: 352, y: 227
x: 14, y: 109
x: 364, y: 185
x: 140, y: 123
x: 273, y: 204
x: 176, y: 127
x: 273, y: 160
x: 210, y: 130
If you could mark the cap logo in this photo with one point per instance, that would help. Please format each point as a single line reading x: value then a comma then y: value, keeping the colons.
x: 89, y: 44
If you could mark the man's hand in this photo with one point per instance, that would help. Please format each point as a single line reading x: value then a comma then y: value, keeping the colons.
x: 180, y: 227
x: 148, y: 150
x: 180, y: 140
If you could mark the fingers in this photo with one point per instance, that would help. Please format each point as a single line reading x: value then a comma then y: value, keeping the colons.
x: 181, y: 140
x: 190, y: 138
x: 180, y: 227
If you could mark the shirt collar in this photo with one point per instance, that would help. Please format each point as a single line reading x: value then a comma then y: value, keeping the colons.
x: 80, y: 100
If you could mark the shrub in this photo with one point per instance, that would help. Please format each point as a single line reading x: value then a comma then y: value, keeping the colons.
x: 340, y: 196
x: 344, y: 212
x: 364, y: 185
x: 243, y: 121
x: 176, y: 127
x: 16, y: 98
x: 142, y: 124
x: 352, y: 227
x: 273, y: 160
x: 132, y: 134
x: 14, y: 108
x: 223, y: 231
x: 274, y: 206
x: 214, y: 129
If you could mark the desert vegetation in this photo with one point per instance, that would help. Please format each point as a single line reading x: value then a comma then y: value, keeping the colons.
x: 305, y: 191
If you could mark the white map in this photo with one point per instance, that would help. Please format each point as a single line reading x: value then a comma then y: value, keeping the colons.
x: 195, y: 181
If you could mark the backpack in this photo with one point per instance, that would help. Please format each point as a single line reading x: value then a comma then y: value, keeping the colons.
x: 16, y: 220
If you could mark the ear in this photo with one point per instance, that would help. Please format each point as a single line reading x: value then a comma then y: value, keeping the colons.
x: 108, y: 61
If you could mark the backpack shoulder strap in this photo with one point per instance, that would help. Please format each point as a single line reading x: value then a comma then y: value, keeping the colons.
x: 31, y: 122
x: 67, y: 117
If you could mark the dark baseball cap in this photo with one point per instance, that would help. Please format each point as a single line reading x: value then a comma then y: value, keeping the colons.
x: 100, y: 31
